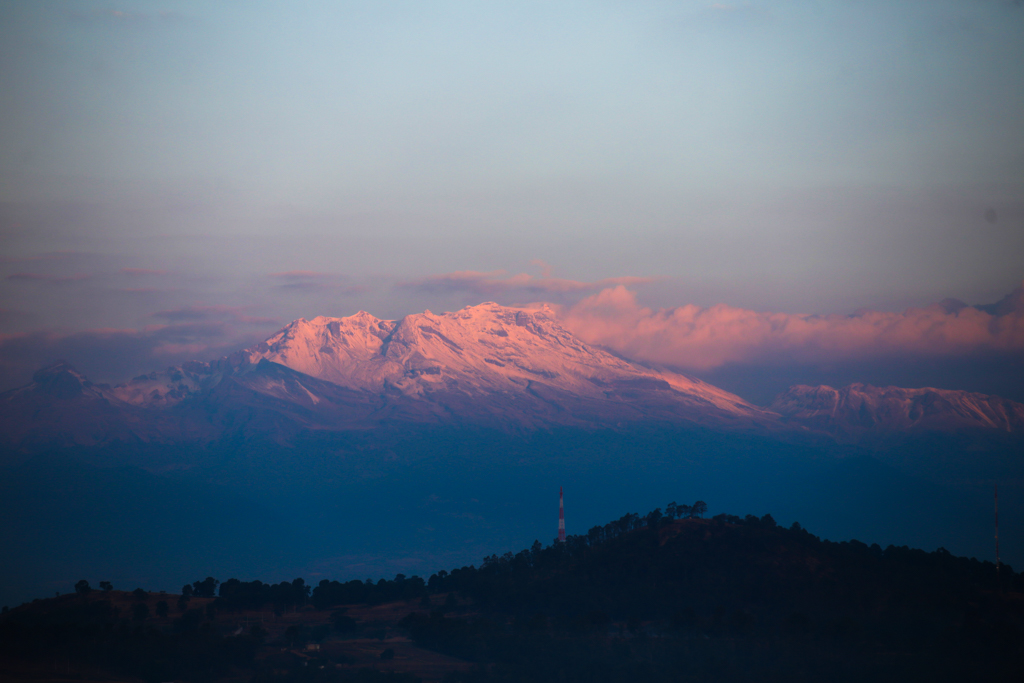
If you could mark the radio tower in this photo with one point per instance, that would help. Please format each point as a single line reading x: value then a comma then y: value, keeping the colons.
x: 561, y: 517
x: 998, y: 563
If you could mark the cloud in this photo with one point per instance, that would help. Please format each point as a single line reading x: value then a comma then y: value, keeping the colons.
x: 115, y: 355
x: 40, y: 277
x: 309, y: 280
x: 49, y: 256
x: 699, y: 339
x: 497, y: 284
x: 213, y: 313
x: 143, y: 271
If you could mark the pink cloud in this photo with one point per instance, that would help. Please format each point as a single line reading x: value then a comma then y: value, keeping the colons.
x: 301, y: 275
x: 497, y: 282
x: 310, y: 280
x: 142, y: 271
x: 700, y: 338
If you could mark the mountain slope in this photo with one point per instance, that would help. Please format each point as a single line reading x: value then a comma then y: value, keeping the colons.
x: 487, y: 365
x: 862, y: 408
x: 511, y: 368
x: 512, y: 363
x: 61, y: 407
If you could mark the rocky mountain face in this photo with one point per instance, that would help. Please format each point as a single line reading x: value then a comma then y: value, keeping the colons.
x: 487, y: 365
x: 860, y: 408
x: 492, y: 365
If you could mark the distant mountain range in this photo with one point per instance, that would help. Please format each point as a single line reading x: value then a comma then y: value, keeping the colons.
x: 511, y: 368
x: 453, y: 430
x: 860, y: 408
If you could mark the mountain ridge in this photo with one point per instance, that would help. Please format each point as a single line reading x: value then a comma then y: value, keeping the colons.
x: 507, y: 367
x: 858, y: 408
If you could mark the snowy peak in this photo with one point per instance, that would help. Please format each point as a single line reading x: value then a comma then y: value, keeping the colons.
x: 326, y: 348
x: 860, y: 407
x: 486, y: 350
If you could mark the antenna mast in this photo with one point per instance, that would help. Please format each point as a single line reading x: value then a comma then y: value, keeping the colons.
x: 561, y: 517
x: 998, y: 563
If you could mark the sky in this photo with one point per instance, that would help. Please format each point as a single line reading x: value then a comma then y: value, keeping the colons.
x: 762, y: 192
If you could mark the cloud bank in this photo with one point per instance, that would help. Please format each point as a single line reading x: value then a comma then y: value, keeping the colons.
x: 498, y: 284
x: 187, y: 333
x: 700, y: 339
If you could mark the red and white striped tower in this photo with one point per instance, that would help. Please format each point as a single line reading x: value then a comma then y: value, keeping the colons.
x: 561, y: 517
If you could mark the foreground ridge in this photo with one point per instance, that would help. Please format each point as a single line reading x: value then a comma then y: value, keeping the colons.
x: 664, y: 596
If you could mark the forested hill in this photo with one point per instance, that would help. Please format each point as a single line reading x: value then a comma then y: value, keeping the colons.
x: 652, y: 598
x: 733, y: 599
x: 656, y: 567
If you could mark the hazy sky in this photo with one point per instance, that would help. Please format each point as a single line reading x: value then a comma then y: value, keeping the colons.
x: 240, y: 164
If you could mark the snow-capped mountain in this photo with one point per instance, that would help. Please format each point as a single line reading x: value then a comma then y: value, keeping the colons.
x: 862, y: 407
x: 489, y: 352
x: 488, y: 364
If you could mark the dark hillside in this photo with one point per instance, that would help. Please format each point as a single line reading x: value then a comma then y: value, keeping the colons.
x: 659, y: 597
x: 778, y: 600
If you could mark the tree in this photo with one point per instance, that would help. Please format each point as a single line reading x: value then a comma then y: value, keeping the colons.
x: 207, y: 588
x: 106, y: 586
x: 672, y: 510
x: 186, y: 591
x: 342, y: 622
x: 139, y: 594
x: 162, y: 609
x: 82, y: 587
x: 699, y: 508
x: 297, y: 634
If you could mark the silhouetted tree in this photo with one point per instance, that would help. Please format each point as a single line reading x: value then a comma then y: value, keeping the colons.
x: 82, y: 587
x: 342, y: 622
x: 139, y: 594
x: 207, y: 588
x: 699, y: 508
x: 106, y: 586
x: 296, y: 634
